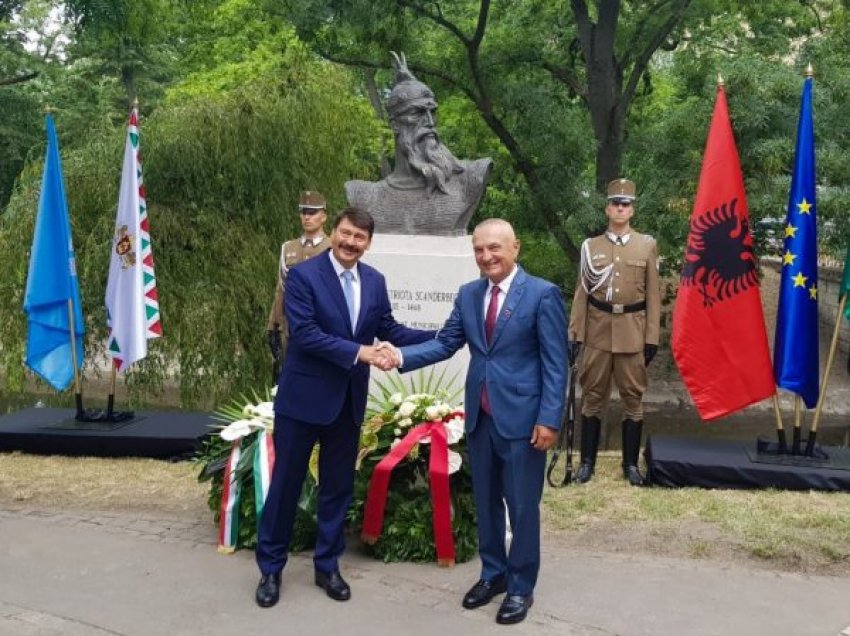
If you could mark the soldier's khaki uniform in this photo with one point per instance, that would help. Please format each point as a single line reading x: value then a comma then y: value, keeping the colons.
x: 613, y: 341
x: 291, y: 253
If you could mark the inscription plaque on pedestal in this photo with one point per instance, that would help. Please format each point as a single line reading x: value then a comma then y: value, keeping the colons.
x: 423, y: 276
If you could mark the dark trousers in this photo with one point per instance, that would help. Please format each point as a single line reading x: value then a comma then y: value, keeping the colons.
x: 294, y: 441
x: 507, y: 471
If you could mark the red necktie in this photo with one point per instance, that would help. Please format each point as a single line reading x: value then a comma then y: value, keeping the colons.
x: 489, y: 328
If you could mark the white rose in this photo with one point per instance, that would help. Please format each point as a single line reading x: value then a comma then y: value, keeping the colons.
x: 395, y: 442
x: 236, y: 430
x: 454, y: 430
x: 396, y: 432
x: 265, y: 411
x: 405, y: 422
x: 406, y: 409
x: 454, y: 462
x: 432, y: 413
x: 396, y: 399
x: 444, y: 409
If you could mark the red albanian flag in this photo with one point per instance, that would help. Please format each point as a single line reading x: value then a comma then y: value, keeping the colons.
x: 719, y: 337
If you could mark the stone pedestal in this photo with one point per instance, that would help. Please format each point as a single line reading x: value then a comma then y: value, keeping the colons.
x: 423, y: 276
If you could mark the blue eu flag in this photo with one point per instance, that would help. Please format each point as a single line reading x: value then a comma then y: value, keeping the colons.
x: 795, y: 354
x: 52, y: 280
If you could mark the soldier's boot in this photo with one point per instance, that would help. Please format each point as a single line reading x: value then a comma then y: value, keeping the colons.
x: 590, y: 429
x: 631, y: 450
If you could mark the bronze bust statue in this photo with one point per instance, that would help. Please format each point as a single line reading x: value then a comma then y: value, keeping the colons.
x: 429, y: 190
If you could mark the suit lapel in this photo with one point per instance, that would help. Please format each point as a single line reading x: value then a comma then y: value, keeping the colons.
x: 335, y: 290
x: 509, y: 306
x: 365, y: 295
x: 478, y: 303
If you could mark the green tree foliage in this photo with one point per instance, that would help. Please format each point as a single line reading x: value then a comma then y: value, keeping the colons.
x: 126, y: 39
x: 763, y: 70
x: 17, y: 64
x: 555, y: 82
x: 28, y: 45
x: 223, y: 171
x: 238, y: 115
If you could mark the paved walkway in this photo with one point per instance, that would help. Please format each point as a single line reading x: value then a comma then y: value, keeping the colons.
x: 73, y: 574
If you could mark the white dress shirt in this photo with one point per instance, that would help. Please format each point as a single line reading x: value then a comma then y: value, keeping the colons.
x: 618, y: 240
x: 355, y: 282
x: 504, y: 288
x: 311, y: 242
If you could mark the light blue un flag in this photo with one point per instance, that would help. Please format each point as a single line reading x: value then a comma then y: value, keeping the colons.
x: 52, y: 280
x: 795, y: 355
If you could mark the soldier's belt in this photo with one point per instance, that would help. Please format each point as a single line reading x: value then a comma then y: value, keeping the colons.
x: 616, y: 309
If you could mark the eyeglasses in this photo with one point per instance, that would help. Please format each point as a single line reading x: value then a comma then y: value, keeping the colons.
x: 624, y: 202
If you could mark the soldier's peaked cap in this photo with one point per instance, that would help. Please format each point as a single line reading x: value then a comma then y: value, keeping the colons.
x: 311, y: 200
x: 621, y: 189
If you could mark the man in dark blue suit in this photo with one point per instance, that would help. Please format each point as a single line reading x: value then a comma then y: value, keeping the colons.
x: 515, y: 326
x: 335, y: 307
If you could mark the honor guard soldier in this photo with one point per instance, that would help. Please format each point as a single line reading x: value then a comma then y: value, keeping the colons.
x: 616, y: 315
x: 313, y: 214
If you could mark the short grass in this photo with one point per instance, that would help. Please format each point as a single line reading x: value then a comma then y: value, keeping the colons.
x: 797, y: 531
x: 143, y: 485
x: 800, y: 531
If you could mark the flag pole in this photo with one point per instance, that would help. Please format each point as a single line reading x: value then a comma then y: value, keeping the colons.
x: 78, y: 395
x: 78, y: 392
x: 810, y: 445
x: 780, y: 427
x: 798, y: 412
x: 110, y: 401
x: 111, y: 415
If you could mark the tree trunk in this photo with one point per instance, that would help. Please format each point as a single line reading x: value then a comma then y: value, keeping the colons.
x: 17, y: 79
x: 609, y: 153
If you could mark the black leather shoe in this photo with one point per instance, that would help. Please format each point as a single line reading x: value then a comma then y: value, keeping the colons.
x: 334, y: 585
x: 268, y: 591
x: 514, y: 609
x: 584, y: 473
x: 483, y: 592
x: 633, y: 475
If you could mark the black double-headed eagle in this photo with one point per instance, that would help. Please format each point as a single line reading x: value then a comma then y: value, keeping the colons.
x: 719, y: 257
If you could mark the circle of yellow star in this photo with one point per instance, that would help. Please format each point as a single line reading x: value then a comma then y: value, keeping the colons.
x: 805, y: 207
x: 788, y: 258
x: 813, y: 292
x: 790, y: 231
x: 800, y: 280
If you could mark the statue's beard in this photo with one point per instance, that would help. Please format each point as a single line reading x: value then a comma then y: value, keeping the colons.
x: 429, y: 158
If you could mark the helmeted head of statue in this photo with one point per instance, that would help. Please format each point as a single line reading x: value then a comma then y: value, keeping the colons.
x: 412, y: 109
x: 406, y: 87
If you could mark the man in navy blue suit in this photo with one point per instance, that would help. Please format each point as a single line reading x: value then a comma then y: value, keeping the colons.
x: 335, y: 308
x: 515, y: 326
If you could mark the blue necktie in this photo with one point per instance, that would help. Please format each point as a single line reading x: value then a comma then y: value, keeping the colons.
x: 348, y: 291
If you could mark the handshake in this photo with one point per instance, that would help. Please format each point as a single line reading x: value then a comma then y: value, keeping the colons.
x: 382, y: 355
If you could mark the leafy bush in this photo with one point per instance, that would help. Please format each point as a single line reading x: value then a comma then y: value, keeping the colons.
x: 222, y: 172
x: 408, y: 530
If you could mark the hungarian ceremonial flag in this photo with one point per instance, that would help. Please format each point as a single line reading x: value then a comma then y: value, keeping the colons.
x: 53, y: 294
x: 132, y: 304
x: 795, y: 354
x: 719, y: 338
